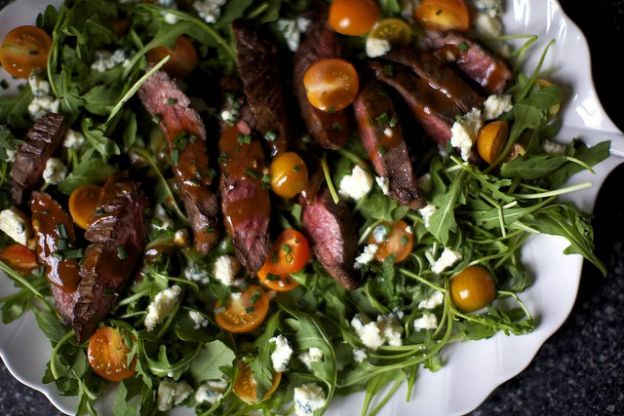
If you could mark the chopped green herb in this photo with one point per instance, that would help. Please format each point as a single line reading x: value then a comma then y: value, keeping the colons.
x: 286, y: 248
x: 172, y: 101
x: 251, y: 173
x: 463, y: 46
x: 270, y: 135
x: 175, y: 156
x: 388, y: 70
x: 254, y: 298
x: 244, y: 138
x: 383, y: 119
x: 62, y: 231
x: 250, y: 309
x: 122, y: 254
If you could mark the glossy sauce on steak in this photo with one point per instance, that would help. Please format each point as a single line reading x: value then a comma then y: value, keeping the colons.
x: 186, y: 134
x: 45, y: 136
x: 117, y: 238
x: 257, y: 65
x: 333, y: 234
x: 328, y: 130
x: 383, y: 140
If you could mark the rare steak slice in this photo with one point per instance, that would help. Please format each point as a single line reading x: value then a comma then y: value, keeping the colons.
x: 257, y: 65
x: 383, y: 140
x: 117, y: 237
x: 55, y: 237
x: 333, y: 234
x: 45, y: 136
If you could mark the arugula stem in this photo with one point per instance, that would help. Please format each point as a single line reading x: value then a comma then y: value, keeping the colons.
x: 557, y: 192
x: 328, y: 179
x: 258, y: 10
x: 421, y: 279
x: 18, y: 278
x: 53, y: 363
x: 388, y: 395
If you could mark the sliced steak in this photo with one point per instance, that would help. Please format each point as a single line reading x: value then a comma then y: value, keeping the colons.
x: 328, y: 130
x: 186, y: 134
x: 31, y: 157
x: 257, y: 65
x: 244, y: 200
x: 439, y: 76
x: 55, y: 237
x: 334, y: 237
x: 473, y: 60
x: 434, y: 111
x: 117, y: 238
x: 383, y: 140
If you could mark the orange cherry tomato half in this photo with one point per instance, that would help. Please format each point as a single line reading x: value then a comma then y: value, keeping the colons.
x: 83, y: 203
x: 443, y: 14
x: 25, y: 49
x: 289, y: 253
x: 331, y: 84
x: 353, y: 17
x: 19, y: 257
x: 245, y: 385
x: 279, y: 283
x: 244, y: 312
x: 108, y: 355
x: 392, y: 238
x: 472, y: 289
x: 183, y: 57
x: 289, y: 174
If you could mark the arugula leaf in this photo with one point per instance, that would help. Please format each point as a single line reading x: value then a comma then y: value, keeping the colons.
x: 96, y: 138
x: 49, y: 324
x: 88, y: 171
x: 390, y: 7
x: 590, y: 156
x: 14, y: 109
x: 261, y: 366
x: 233, y: 10
x: 532, y: 167
x: 212, y: 359
x: 442, y: 222
x: 7, y: 143
x: 100, y: 99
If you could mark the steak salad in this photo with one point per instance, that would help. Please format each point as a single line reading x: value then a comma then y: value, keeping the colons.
x: 255, y: 207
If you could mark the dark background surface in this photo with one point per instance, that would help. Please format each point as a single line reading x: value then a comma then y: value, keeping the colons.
x: 580, y: 369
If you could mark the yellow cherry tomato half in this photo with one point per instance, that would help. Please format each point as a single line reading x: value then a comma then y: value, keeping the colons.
x: 244, y: 312
x: 108, y: 355
x: 353, y: 17
x: 331, y: 84
x: 83, y: 203
x: 392, y: 238
x: 395, y: 31
x: 443, y: 14
x: 25, y: 49
x: 472, y: 289
x: 245, y: 385
x: 289, y: 174
x: 491, y: 140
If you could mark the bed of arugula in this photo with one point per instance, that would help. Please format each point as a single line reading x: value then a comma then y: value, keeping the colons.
x: 486, y: 215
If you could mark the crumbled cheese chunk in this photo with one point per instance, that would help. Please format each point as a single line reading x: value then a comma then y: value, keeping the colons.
x: 230, y: 116
x: 198, y: 319
x: 171, y: 393
x: 167, y: 3
x: 496, y: 105
x: 383, y: 183
x: 492, y: 7
x: 357, y: 184
x: 40, y: 106
x: 209, y: 10
x: 14, y: 224
x: 54, y: 172
x: 225, y: 269
x: 170, y: 18
x: 553, y: 148
x: 281, y: 356
x: 426, y: 212
x: 366, y: 256
x: 308, y: 398
x: 73, y: 139
x: 312, y: 355
x: 374, y: 334
x: 448, y: 258
x: 162, y: 305
x: 380, y: 233
x: 292, y: 29
x: 38, y: 85
x: 436, y: 299
x: 377, y: 47
x: 427, y: 321
x: 487, y: 26
x: 359, y: 355
x: 105, y: 60
x: 10, y: 155
x: 465, y: 131
x: 211, y: 391
x: 163, y: 222
x: 392, y: 330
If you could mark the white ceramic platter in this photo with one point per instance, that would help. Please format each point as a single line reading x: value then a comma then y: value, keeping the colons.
x: 473, y: 369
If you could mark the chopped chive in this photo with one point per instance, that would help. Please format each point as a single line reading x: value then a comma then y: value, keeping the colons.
x: 122, y: 254
x: 270, y: 135
x: 254, y: 298
x: 175, y: 156
x: 58, y: 255
x: 297, y: 168
x: 99, y: 211
x: 383, y: 119
x: 224, y: 157
x: 250, y: 309
x: 331, y: 109
x: 463, y: 47
x: 62, y: 231
x: 209, y: 229
x: 404, y: 240
x: 61, y: 244
x: 274, y: 257
x: 306, y: 138
x: 251, y: 173
x: 172, y: 101
x: 394, y: 120
x: 76, y: 253
x: 157, y: 118
x: 272, y: 277
x: 244, y: 138
x: 381, y: 150
x: 109, y: 292
x: 337, y: 126
x: 286, y: 248
x: 388, y: 70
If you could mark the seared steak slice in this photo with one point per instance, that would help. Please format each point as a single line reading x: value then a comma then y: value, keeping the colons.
x: 439, y: 76
x: 434, y: 111
x: 334, y: 237
x: 186, y: 134
x: 257, y: 66
x: 329, y: 130
x: 54, y: 233
x: 31, y: 157
x: 383, y: 140
x: 244, y: 200
x: 478, y: 64
x: 117, y: 238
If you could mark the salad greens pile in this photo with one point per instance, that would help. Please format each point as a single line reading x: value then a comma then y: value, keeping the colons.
x: 485, y: 214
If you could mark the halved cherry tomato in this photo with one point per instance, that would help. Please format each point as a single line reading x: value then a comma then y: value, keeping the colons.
x: 245, y: 385
x: 395, y: 31
x: 19, y: 257
x: 443, y: 14
x: 472, y: 289
x: 244, y: 312
x: 183, y: 57
x: 289, y: 253
x: 394, y: 238
x: 25, y: 49
x: 289, y: 174
x: 279, y: 283
x: 331, y: 84
x: 82, y: 204
x: 108, y: 355
x: 492, y: 139
x: 353, y: 17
